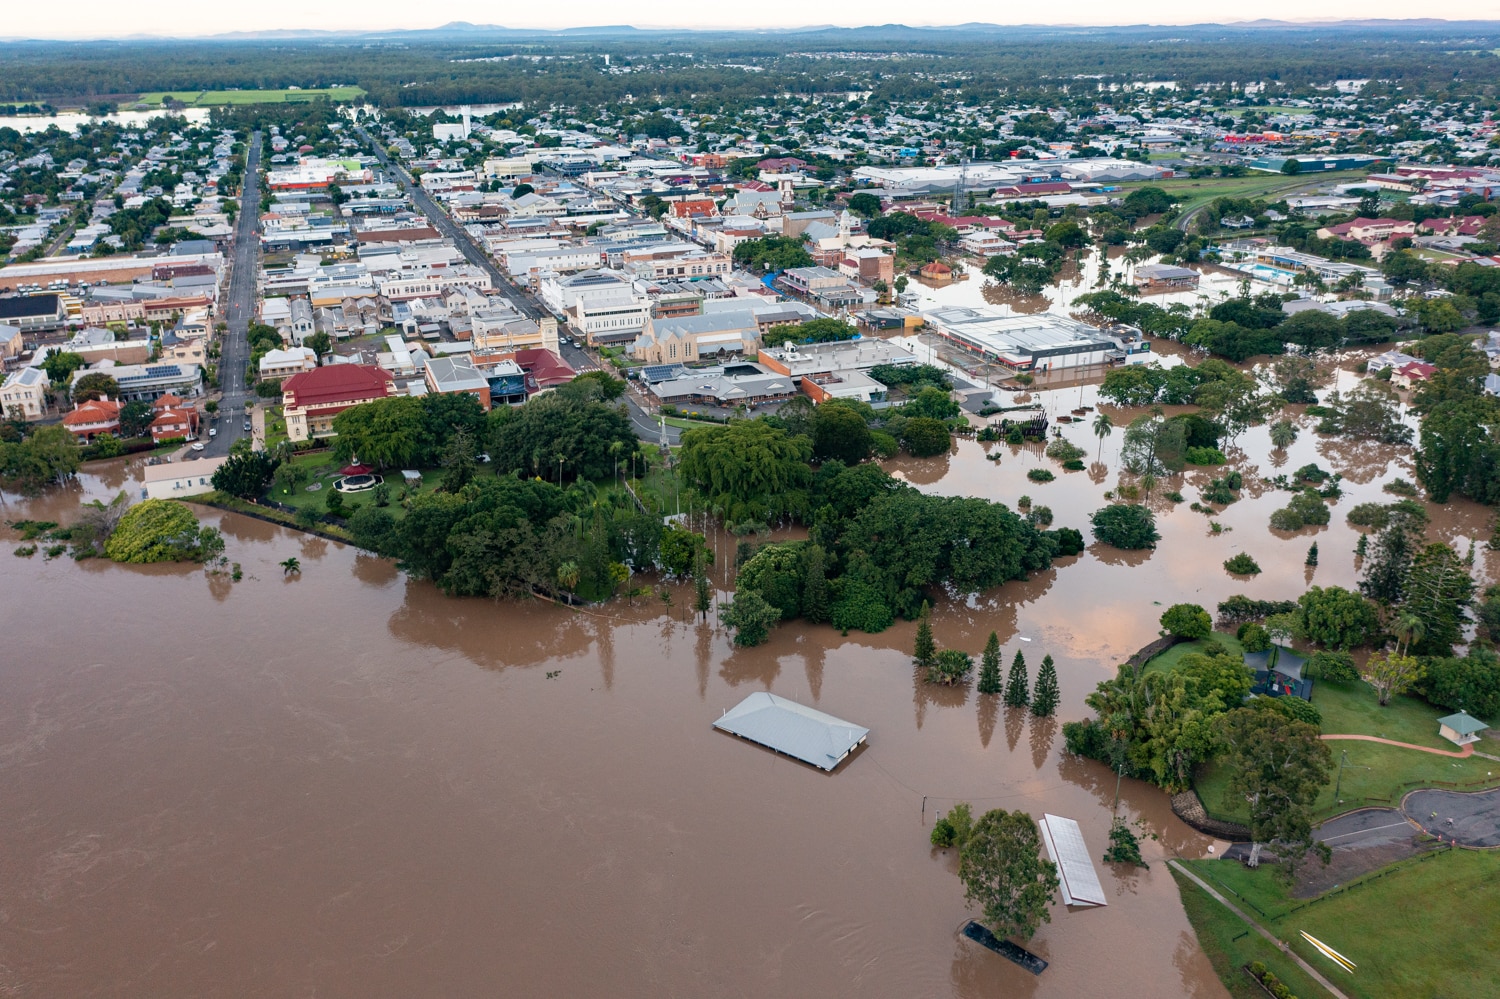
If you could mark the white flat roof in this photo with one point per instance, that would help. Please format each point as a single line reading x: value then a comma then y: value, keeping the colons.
x: 1075, y: 869
x: 800, y: 732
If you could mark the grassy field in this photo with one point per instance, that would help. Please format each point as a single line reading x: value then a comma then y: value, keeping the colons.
x: 1231, y: 945
x: 1354, y: 708
x: 1196, y: 193
x: 210, y: 98
x: 1419, y: 929
x: 1169, y: 659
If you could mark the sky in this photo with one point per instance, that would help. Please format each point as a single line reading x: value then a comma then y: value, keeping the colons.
x: 112, y: 19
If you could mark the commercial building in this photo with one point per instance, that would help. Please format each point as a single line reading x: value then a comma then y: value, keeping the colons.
x: 24, y: 392
x: 457, y: 375
x: 605, y: 305
x: 30, y: 313
x: 692, y: 338
x: 837, y: 370
x: 1157, y: 279
x: 1041, y: 342
x: 312, y: 399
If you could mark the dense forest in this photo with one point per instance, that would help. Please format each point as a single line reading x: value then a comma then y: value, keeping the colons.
x: 484, y: 66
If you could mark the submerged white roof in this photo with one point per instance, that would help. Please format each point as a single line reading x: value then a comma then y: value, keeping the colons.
x: 800, y: 732
x: 1075, y: 869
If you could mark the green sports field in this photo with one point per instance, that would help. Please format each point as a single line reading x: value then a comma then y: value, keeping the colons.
x: 210, y: 98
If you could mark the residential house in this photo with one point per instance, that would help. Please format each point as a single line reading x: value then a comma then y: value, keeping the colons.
x: 278, y: 364
x: 88, y: 419
x: 311, y: 399
x: 1412, y: 374
x: 179, y: 479
x: 174, y: 419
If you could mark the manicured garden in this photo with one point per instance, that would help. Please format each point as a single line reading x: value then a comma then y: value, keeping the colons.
x: 1169, y: 659
x: 1420, y: 928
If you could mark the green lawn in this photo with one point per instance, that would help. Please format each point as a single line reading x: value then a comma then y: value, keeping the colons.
x: 1352, y: 708
x: 209, y: 98
x: 1196, y: 193
x: 1170, y: 658
x: 1422, y: 928
x: 1375, y: 774
x: 1230, y: 944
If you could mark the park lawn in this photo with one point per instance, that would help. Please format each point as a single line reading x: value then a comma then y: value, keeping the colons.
x: 1169, y: 659
x: 1230, y: 944
x: 1353, y: 709
x: 1196, y: 193
x: 325, y: 463
x: 1421, y: 928
x: 682, y: 423
x: 1392, y: 771
x: 210, y: 98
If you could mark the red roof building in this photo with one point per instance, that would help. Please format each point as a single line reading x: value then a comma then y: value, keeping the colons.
x: 97, y: 416
x: 310, y: 400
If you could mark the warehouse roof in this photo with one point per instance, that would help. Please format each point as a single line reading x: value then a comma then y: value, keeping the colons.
x: 800, y: 732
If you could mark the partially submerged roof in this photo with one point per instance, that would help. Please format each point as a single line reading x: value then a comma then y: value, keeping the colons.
x: 798, y: 731
x: 1075, y: 870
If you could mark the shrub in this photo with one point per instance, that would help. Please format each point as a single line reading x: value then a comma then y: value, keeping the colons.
x: 1187, y: 621
x: 1204, y: 456
x: 1372, y: 515
x: 1073, y: 465
x: 1400, y: 487
x: 953, y: 829
x: 1127, y: 526
x: 1253, y: 637
x: 1124, y: 847
x: 1069, y: 541
x: 1041, y: 516
x: 1335, y: 667
x: 1024, y: 503
x: 1242, y: 565
x: 1064, y: 450
x: 1174, y: 496
x: 1306, y: 508
x: 883, y: 444
x: 951, y: 667
x: 1040, y: 475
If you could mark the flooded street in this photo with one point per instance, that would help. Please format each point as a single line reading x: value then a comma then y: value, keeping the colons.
x: 346, y: 784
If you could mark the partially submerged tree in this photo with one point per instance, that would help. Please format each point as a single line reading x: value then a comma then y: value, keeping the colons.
x: 1004, y: 874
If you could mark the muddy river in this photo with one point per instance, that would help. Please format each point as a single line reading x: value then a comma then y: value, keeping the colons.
x: 346, y: 784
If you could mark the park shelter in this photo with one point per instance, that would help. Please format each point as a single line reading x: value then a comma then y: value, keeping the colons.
x: 1075, y: 869
x: 1461, y: 729
x: 1279, y: 673
x: 793, y: 729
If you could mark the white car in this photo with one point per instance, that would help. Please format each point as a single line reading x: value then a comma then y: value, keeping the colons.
x: 198, y: 446
x: 213, y: 431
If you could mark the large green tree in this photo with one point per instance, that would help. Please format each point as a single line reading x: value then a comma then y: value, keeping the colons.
x: 748, y: 470
x: 162, y: 531
x: 1005, y: 875
x: 839, y: 432
x: 385, y: 433
x: 563, y: 435
x: 1277, y: 765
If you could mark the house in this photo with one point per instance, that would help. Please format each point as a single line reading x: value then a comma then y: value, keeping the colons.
x: 88, y: 419
x: 279, y: 364
x: 1461, y: 729
x: 1368, y: 230
x: 311, y: 399
x: 691, y: 338
x: 1156, y: 279
x: 174, y: 420
x: 24, y: 392
x: 1390, y: 359
x: 1279, y: 673
x: 937, y: 271
x: 1412, y: 374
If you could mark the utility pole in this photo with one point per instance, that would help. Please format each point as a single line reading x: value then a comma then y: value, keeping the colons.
x: 1339, y: 784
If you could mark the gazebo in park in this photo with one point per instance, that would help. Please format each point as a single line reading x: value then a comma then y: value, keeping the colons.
x: 1461, y: 729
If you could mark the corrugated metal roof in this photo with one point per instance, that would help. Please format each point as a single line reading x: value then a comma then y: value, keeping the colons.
x: 1075, y: 869
x: 800, y: 732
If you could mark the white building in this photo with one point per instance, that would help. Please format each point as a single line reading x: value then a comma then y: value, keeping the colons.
x: 1042, y: 342
x: 605, y: 305
x: 180, y: 479
x: 25, y: 390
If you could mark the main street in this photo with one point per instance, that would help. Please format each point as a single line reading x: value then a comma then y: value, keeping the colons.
x: 645, y: 427
x: 234, y: 348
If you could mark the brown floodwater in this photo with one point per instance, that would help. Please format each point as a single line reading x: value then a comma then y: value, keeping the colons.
x: 346, y: 784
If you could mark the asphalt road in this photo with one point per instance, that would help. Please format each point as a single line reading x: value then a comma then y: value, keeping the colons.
x: 580, y: 360
x: 238, y: 311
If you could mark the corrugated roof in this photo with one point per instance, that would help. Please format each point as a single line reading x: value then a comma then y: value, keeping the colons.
x: 1463, y: 723
x: 800, y: 732
x: 1075, y: 869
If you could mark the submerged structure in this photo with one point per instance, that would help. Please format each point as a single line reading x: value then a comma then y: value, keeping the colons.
x: 793, y: 729
x: 1075, y: 869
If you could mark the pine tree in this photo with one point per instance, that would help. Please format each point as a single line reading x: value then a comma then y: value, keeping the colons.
x: 1312, y: 555
x: 924, y: 654
x: 1017, y: 693
x: 989, y: 666
x: 1044, y: 700
x: 815, y: 591
x: 1362, y: 546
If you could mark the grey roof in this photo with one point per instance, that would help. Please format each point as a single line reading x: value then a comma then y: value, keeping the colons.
x: 716, y: 322
x: 1164, y: 272
x: 800, y: 732
x: 1075, y: 868
x: 1288, y: 663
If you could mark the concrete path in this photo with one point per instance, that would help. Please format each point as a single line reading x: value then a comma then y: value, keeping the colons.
x: 1313, y: 972
x: 1464, y: 753
x: 1469, y: 819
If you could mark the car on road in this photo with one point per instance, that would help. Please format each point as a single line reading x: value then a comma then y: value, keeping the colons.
x: 247, y: 426
x: 213, y: 431
x: 198, y: 445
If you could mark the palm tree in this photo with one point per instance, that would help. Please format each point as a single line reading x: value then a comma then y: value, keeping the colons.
x: 1103, y: 427
x: 1408, y: 629
x: 568, y: 575
x: 291, y: 565
x: 1283, y: 433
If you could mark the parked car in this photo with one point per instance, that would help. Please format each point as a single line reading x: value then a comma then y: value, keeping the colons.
x: 248, y: 428
x: 198, y: 445
x: 213, y: 431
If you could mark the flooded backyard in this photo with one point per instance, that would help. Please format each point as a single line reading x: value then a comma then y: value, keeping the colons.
x: 346, y: 784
